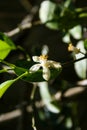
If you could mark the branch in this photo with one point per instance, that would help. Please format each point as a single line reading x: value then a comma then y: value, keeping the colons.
x: 71, y: 92
x: 18, y: 29
x: 10, y: 115
x: 26, y: 23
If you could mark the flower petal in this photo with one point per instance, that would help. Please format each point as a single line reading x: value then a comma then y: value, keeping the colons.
x: 46, y: 73
x: 54, y: 64
x: 36, y: 58
x: 35, y: 68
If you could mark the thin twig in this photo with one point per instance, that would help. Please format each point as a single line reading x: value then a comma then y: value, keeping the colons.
x: 73, y: 61
x: 39, y: 104
x: 33, y: 123
x: 32, y: 98
x: 33, y: 92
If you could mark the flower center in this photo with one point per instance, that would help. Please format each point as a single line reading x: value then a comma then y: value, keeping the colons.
x: 70, y: 47
x: 43, y: 57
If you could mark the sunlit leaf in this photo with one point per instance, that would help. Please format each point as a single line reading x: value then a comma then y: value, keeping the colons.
x: 47, y: 98
x: 3, y: 70
x: 67, y: 3
x: 53, y: 107
x: 76, y: 32
x: 4, y: 49
x: 6, y: 45
x: 4, y: 86
x: 66, y: 38
x: 46, y: 11
x: 81, y: 66
x: 47, y: 14
x: 68, y: 123
x: 6, y: 39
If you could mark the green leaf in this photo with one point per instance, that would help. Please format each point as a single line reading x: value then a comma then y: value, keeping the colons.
x: 4, y: 49
x: 6, y: 45
x: 30, y: 77
x: 81, y: 66
x: 3, y: 70
x: 85, y: 44
x: 4, y: 86
x: 23, y: 66
x: 6, y: 39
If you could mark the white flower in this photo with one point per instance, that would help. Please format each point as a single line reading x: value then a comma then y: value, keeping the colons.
x: 45, y: 64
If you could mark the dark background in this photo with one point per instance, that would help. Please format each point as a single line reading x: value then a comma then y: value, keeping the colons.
x: 11, y: 14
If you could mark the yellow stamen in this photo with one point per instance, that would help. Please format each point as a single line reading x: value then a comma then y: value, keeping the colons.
x: 70, y: 47
x: 73, y: 48
x: 43, y: 57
